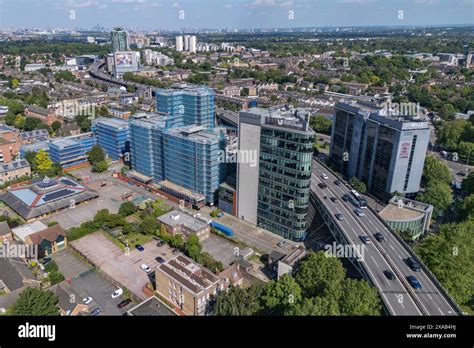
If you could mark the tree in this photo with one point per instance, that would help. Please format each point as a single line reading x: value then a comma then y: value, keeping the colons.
x: 127, y: 208
x: 435, y: 170
x: 359, y: 298
x: 30, y: 156
x: 281, y: 294
x: 193, y: 247
x: 10, y: 118
x: 101, y: 166
x: 55, y: 126
x: 84, y: 122
x: 447, y: 111
x: 438, y: 194
x: 358, y: 185
x: 177, y: 241
x: 468, y: 184
x: 31, y: 123
x: 320, y: 275
x: 466, y: 208
x: 237, y: 301
x: 450, y: 133
x: 448, y: 254
x: 320, y: 306
x: 19, y: 121
x: 96, y: 154
x: 321, y: 124
x: 36, y: 302
x: 42, y: 161
x: 148, y: 225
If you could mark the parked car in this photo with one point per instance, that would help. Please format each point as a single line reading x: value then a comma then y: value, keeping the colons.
x: 96, y: 311
x: 339, y: 216
x: 160, y: 259
x: 334, y: 199
x: 220, y: 214
x: 379, y: 236
x: 413, y: 264
x: 160, y: 243
x: 139, y: 247
x: 415, y: 284
x: 281, y: 243
x: 117, y: 293
x: 46, y: 260
x: 359, y: 212
x: 145, y: 268
x: 389, y: 274
x: 87, y: 300
x: 124, y: 303
x: 365, y: 239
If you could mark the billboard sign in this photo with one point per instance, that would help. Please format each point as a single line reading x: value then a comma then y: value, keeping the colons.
x: 405, y: 149
x: 124, y: 59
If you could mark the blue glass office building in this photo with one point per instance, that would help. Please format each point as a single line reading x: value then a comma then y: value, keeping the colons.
x: 191, y: 157
x: 113, y: 135
x: 194, y: 103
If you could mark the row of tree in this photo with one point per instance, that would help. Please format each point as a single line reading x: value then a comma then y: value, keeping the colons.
x: 319, y: 287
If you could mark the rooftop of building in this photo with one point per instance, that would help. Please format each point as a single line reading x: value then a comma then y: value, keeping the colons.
x: 196, y: 133
x: 180, y: 218
x: 189, y: 274
x: 111, y: 122
x: 184, y: 88
x: 402, y: 116
x: 182, y: 190
x: 46, y: 195
x: 37, y: 133
x: 404, y: 209
x: 14, y: 165
x: 151, y: 307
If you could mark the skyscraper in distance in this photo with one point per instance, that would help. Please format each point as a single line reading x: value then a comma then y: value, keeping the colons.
x: 119, y: 40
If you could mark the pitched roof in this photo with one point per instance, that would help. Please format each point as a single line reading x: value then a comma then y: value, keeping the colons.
x: 50, y: 234
x: 4, y: 228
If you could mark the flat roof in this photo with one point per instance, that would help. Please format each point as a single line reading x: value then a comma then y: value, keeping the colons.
x: 180, y: 189
x: 393, y: 212
x: 178, y: 218
x: 151, y: 307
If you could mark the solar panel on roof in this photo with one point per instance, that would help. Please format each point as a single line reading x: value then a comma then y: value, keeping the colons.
x: 15, y: 164
x: 5, y: 166
x: 68, y: 182
x: 57, y: 194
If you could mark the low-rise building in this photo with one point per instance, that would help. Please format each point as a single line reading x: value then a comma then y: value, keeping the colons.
x: 48, y: 116
x: 13, y: 170
x: 406, y: 215
x: 179, y: 222
x: 188, y: 285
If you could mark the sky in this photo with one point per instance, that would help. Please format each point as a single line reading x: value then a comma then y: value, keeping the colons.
x: 240, y: 14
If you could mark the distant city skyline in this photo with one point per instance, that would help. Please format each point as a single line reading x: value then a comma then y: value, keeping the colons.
x: 238, y: 14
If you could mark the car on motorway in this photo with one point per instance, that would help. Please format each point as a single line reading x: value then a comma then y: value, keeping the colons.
x: 117, y: 293
x: 145, y: 268
x: 415, y: 284
x: 339, y: 216
x: 345, y: 197
x: 365, y: 239
x: 324, y: 176
x: 334, y: 199
x: 337, y: 182
x: 87, y: 300
x: 379, y: 236
x: 322, y: 185
x: 389, y: 274
x: 413, y: 264
x: 281, y: 243
x: 124, y: 303
x: 139, y: 247
x: 359, y: 212
x: 160, y: 259
x: 96, y: 311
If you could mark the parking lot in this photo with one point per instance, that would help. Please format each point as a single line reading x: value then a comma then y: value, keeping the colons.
x: 220, y: 249
x: 125, y: 269
x: 86, y: 282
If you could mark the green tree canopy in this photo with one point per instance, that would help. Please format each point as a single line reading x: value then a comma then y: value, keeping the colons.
x: 448, y: 254
x: 438, y: 194
x: 42, y: 161
x: 96, y: 154
x: 279, y: 295
x: 127, y: 208
x: 435, y: 170
x: 320, y: 275
x: 36, y: 302
x: 359, y: 298
x: 237, y: 301
x: 358, y: 185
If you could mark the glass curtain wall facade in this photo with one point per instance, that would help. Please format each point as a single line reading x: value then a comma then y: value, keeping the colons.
x: 113, y: 135
x: 284, y: 182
